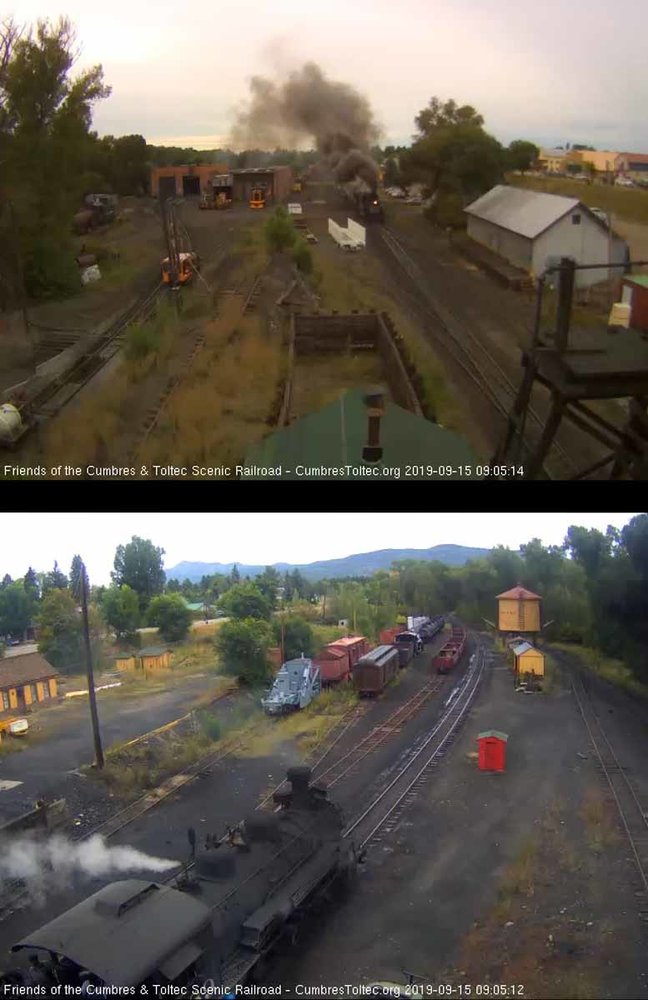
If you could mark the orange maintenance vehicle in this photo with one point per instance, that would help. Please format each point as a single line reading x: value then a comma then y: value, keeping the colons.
x: 258, y: 197
x: 189, y: 264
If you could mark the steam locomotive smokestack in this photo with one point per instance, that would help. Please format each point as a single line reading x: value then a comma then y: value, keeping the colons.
x: 309, y: 105
x: 373, y: 451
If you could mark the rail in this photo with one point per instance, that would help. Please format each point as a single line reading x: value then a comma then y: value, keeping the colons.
x: 633, y: 815
x: 466, y: 350
x: 401, y: 790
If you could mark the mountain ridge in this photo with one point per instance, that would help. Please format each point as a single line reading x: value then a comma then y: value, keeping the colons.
x: 356, y: 564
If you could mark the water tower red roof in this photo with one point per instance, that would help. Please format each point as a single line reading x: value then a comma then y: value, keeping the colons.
x: 520, y: 594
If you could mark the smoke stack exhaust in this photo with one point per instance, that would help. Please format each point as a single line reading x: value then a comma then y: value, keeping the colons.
x: 375, y: 403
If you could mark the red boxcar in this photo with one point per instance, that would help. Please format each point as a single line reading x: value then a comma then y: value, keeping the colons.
x: 336, y: 660
x: 333, y: 664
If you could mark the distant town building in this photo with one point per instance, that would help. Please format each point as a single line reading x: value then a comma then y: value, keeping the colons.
x: 632, y: 165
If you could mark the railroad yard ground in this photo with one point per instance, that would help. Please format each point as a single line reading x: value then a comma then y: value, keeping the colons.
x: 518, y: 878
x: 209, y: 387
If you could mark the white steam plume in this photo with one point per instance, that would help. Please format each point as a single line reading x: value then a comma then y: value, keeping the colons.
x: 48, y: 865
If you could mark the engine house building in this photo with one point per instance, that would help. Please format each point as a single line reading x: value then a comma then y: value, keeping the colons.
x: 26, y: 680
x: 276, y: 181
x: 187, y: 180
x: 528, y: 227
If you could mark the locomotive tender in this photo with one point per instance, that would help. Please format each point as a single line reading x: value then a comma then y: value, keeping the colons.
x: 228, y: 909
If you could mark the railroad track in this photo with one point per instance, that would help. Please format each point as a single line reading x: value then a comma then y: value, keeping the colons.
x: 467, y: 351
x: 415, y: 768
x: 379, y: 735
x: 632, y: 813
x: 56, y: 394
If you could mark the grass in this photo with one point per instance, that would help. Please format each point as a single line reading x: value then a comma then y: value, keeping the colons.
x: 614, y: 671
x: 324, y: 634
x: 628, y: 203
x: 307, y: 727
x: 221, y: 406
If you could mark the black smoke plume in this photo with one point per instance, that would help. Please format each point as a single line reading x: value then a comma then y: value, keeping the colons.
x: 307, y: 105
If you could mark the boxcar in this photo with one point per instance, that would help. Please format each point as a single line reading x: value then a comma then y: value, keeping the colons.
x: 374, y: 671
x: 333, y: 664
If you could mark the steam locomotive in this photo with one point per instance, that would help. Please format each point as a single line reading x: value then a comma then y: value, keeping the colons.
x: 365, y: 201
x: 224, y: 913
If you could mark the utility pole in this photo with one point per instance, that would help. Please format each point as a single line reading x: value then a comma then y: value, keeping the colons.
x: 99, y: 757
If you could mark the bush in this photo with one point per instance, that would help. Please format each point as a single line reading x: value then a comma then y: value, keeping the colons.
x: 171, y: 616
x: 211, y: 726
x: 303, y: 257
x: 50, y: 269
x: 141, y: 340
x: 279, y: 231
x: 242, y: 648
x: 298, y: 637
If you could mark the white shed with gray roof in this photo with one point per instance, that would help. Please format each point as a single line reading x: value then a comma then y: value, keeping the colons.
x: 527, y: 227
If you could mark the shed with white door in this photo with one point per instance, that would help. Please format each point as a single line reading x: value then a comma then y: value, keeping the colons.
x: 527, y: 227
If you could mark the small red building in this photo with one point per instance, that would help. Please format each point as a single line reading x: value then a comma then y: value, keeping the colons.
x: 634, y: 292
x: 492, y: 750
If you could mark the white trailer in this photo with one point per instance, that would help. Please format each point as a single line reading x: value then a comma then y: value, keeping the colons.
x: 342, y: 236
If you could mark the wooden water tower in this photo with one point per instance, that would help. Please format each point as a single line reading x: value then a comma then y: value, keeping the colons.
x: 519, y: 611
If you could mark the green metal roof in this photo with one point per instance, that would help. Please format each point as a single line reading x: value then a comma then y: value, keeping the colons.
x: 637, y: 279
x: 333, y: 438
x: 152, y: 651
x: 493, y: 732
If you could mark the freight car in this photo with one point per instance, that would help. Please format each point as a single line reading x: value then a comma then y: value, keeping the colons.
x: 336, y: 660
x: 296, y: 684
x: 448, y: 657
x: 219, y: 918
x: 373, y: 672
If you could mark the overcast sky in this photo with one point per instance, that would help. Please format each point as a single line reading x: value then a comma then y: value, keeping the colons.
x: 38, y: 539
x: 553, y: 72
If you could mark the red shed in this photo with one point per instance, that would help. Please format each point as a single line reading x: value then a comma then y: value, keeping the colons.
x: 492, y: 750
x: 634, y: 292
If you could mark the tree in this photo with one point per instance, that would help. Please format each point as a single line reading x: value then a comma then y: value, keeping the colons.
x: 6, y: 581
x: 268, y: 583
x: 60, y: 631
x: 171, y: 616
x: 120, y: 606
x: 44, y: 132
x: 245, y: 600
x: 130, y: 165
x: 30, y: 582
x: 16, y: 609
x: 522, y: 155
x: 54, y: 580
x: 298, y: 637
x: 279, y: 231
x: 77, y: 573
x: 242, y: 648
x: 139, y: 565
x: 439, y: 115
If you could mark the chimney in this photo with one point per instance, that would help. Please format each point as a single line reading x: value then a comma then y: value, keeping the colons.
x: 375, y: 403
